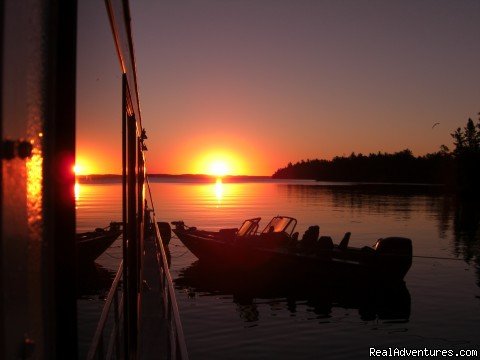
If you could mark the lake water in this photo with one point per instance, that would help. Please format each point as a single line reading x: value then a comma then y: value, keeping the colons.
x: 239, y: 318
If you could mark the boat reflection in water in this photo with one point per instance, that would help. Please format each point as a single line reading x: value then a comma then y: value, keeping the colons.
x: 94, y: 281
x: 386, y: 302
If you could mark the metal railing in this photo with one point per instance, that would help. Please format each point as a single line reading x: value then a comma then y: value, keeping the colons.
x: 177, y: 346
x: 97, y: 347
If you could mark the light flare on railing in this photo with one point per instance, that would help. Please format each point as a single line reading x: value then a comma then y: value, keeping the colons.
x: 177, y: 338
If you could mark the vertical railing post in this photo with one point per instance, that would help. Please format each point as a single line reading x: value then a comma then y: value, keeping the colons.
x: 2, y: 316
x: 140, y: 218
x: 58, y: 110
x: 132, y: 235
x: 126, y: 308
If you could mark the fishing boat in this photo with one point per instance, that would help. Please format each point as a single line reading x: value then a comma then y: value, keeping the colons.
x: 277, y: 247
x: 91, y: 244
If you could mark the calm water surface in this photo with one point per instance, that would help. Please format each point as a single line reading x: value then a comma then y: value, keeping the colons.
x: 226, y: 316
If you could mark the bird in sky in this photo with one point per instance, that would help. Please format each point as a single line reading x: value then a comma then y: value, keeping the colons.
x: 435, y: 124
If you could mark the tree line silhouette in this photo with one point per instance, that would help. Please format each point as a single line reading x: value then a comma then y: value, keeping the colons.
x: 399, y: 167
x: 456, y: 169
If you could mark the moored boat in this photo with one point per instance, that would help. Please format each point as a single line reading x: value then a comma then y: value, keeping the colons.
x: 278, y: 248
x: 91, y: 244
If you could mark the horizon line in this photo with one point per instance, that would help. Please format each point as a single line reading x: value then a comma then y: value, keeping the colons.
x: 178, y: 175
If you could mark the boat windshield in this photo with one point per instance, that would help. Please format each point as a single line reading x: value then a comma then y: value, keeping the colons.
x: 279, y: 224
x: 248, y: 227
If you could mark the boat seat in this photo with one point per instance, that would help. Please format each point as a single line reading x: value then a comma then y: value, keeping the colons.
x: 344, y: 243
x: 311, y: 233
x: 325, y: 243
x: 295, y: 236
x: 309, y: 238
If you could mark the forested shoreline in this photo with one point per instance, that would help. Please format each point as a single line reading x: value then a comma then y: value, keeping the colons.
x: 456, y: 169
x: 399, y: 167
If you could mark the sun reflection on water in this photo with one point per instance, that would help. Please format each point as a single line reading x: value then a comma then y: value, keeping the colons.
x: 219, y: 190
x: 76, y: 190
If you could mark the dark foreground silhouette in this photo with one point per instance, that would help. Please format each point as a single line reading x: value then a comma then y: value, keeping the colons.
x: 383, y: 302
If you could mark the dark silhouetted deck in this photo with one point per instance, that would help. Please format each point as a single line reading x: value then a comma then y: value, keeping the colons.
x: 154, y: 332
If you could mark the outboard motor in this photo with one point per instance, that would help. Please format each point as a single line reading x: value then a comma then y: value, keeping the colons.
x: 394, y: 245
x: 179, y: 225
x: 394, y: 255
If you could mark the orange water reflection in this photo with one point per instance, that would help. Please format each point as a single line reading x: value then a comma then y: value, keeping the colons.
x: 76, y: 190
x: 219, y: 190
x: 368, y: 215
x: 97, y: 204
x: 225, y: 204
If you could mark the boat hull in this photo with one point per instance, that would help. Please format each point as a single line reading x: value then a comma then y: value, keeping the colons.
x: 91, y: 245
x: 211, y: 248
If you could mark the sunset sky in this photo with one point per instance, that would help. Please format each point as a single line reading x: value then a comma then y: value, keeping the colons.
x: 244, y: 87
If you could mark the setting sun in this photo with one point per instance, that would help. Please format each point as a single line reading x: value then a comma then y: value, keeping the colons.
x: 86, y: 165
x: 218, y: 163
x: 79, y: 169
x: 219, y: 168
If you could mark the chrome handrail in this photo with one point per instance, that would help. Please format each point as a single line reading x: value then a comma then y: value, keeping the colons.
x: 177, y: 338
x: 97, y: 350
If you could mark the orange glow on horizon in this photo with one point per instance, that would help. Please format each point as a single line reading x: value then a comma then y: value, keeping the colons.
x: 218, y: 163
x: 210, y: 154
x: 84, y: 166
x: 80, y: 169
x: 94, y: 158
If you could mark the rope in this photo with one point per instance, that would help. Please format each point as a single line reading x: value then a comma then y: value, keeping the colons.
x: 437, y: 257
